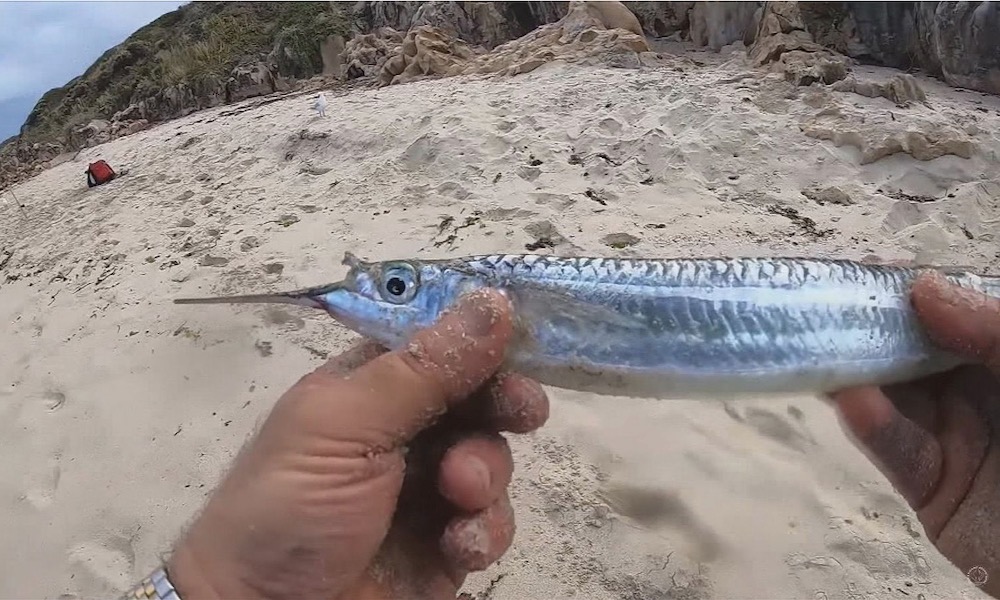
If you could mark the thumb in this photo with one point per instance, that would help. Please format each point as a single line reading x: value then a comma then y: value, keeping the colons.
x: 962, y: 321
x: 391, y: 398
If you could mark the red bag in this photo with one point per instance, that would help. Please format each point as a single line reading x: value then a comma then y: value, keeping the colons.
x: 99, y: 172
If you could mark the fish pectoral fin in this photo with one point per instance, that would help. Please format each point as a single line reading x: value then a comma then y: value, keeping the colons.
x: 538, y: 304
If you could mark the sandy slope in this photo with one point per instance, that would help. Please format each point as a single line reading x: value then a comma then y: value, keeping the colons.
x: 118, y: 410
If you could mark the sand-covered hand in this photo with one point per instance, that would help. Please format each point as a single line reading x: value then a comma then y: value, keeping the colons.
x: 378, y: 475
x: 936, y: 439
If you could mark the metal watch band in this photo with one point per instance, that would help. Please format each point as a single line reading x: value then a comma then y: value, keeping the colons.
x: 155, y: 587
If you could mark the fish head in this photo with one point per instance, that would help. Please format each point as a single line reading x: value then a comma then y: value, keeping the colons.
x: 388, y: 301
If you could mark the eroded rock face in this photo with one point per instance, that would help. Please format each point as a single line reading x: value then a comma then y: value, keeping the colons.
x: 662, y: 18
x: 589, y: 29
x: 956, y: 41
x: 876, y: 140
x: 783, y: 41
x: 486, y: 24
x: 247, y: 81
x: 718, y: 24
x: 903, y: 89
x: 365, y: 54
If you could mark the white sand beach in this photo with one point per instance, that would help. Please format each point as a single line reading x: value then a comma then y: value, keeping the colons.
x: 120, y: 410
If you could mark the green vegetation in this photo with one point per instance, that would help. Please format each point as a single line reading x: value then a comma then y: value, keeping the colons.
x: 195, y: 46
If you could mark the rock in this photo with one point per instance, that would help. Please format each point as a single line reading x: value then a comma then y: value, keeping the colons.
x: 364, y: 55
x: 97, y: 131
x: 925, y: 141
x: 426, y: 51
x: 903, y: 89
x: 186, y: 222
x: 589, y: 30
x: 828, y: 195
x: 832, y: 26
x: 332, y: 52
x: 486, y: 24
x: 247, y: 81
x: 945, y: 38
x: 805, y: 68
x: 661, y: 19
x: 717, y: 24
x: 783, y: 42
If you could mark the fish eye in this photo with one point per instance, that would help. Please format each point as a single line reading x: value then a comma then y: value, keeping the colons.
x: 399, y: 283
x: 395, y: 286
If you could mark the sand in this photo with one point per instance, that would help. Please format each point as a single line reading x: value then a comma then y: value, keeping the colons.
x: 119, y: 410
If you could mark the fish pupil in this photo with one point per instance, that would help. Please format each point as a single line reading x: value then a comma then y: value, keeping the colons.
x: 396, y: 286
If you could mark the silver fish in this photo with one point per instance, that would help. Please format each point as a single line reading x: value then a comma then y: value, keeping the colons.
x: 661, y: 328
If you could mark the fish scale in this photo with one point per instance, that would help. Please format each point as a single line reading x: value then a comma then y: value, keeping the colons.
x: 664, y: 328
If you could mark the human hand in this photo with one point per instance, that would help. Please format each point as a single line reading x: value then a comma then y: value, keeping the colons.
x: 936, y: 439
x: 379, y: 475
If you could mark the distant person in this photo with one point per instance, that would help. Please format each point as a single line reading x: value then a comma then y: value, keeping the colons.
x: 316, y: 506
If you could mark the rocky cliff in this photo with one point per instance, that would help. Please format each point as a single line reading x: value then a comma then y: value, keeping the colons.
x: 209, y: 53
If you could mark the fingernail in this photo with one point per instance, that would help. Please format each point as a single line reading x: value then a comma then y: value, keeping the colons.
x: 478, y: 313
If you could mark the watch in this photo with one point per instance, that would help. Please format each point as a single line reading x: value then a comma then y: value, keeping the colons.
x: 155, y: 587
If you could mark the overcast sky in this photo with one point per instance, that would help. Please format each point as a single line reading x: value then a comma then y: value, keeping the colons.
x: 45, y: 44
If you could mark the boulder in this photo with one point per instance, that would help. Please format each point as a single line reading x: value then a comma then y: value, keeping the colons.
x: 902, y: 88
x: 365, y: 54
x: 256, y: 79
x: 783, y: 42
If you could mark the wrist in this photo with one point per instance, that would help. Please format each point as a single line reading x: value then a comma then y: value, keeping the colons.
x: 190, y: 576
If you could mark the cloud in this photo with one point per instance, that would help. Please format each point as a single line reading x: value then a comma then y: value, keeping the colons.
x: 45, y: 44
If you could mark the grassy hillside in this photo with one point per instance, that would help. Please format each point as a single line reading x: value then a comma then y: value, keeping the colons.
x: 196, y: 46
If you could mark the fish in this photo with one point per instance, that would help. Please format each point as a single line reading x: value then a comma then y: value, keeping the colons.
x: 661, y: 327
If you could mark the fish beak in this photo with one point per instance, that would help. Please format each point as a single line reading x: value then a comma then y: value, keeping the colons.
x: 316, y: 297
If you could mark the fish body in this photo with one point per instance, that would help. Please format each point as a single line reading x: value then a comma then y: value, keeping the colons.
x: 663, y: 328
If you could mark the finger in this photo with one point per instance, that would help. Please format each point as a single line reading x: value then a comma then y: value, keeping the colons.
x: 917, y: 400
x: 476, y: 471
x: 394, y: 396
x: 517, y: 404
x: 905, y: 453
x: 507, y: 402
x: 960, y: 320
x: 361, y: 352
x: 474, y: 542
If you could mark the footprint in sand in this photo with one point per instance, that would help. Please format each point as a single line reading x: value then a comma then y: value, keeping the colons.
x: 109, y: 561
x: 43, y: 483
x: 610, y: 126
x: 275, y: 268
x: 505, y: 126
x: 277, y: 316
x: 655, y: 508
x: 620, y: 240
x: 773, y: 426
x: 54, y: 400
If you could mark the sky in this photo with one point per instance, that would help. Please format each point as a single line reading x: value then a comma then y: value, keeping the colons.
x: 45, y: 44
